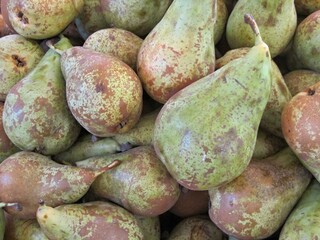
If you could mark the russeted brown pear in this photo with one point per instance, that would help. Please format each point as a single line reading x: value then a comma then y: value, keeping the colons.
x: 91, y: 221
x: 206, y: 141
x: 179, y: 50
x: 28, y: 178
x: 256, y: 204
x: 36, y: 116
x: 103, y: 93
x: 141, y: 183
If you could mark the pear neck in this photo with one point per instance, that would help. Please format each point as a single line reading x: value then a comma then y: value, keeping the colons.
x: 193, y: 14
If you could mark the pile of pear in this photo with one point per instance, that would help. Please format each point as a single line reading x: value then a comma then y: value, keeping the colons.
x: 173, y: 119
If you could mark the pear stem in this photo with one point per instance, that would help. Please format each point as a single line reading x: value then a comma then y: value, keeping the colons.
x: 248, y: 19
x: 112, y: 165
x: 51, y: 46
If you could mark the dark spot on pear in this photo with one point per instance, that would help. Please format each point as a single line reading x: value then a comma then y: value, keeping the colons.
x: 267, y: 54
x: 22, y: 17
x: 100, y: 87
x: 311, y: 92
x: 45, y: 216
x: 20, y: 62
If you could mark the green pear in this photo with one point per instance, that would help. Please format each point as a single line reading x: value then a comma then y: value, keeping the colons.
x: 23, y: 229
x: 204, y: 140
x: 136, y: 16
x: 150, y: 227
x: 299, y: 121
x: 103, y: 93
x: 197, y: 227
x: 6, y: 146
x: 36, y: 116
x: 267, y: 144
x: 141, y: 183
x: 256, y: 204
x: 90, y: 19
x: 277, y: 20
x: 303, y: 221
x: 28, y: 178
x: 40, y: 19
x: 299, y: 80
x: 18, y: 56
x: 306, y: 42
x: 141, y: 133
x: 87, y: 146
x: 179, y: 50
x: 117, y: 42
x: 279, y: 95
x: 90, y: 221
x: 221, y: 21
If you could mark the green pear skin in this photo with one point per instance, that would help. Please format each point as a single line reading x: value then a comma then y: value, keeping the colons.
x: 36, y: 116
x: 28, y: 178
x: 256, y: 204
x: 91, y: 221
x: 179, y: 50
x: 277, y: 21
x: 103, y: 93
x: 18, y: 56
x: 150, y: 227
x: 141, y: 183
x: 303, y: 221
x: 41, y: 19
x: 204, y: 147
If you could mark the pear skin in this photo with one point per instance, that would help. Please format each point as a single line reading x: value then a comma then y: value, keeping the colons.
x: 179, y: 50
x: 141, y: 183
x: 91, y: 221
x: 207, y: 146
x: 28, y: 178
x: 256, y: 204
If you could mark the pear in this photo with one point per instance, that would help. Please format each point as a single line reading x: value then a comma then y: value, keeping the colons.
x: 36, y: 116
x: 28, y: 178
x: 23, y: 229
x: 204, y: 147
x: 306, y: 42
x: 90, y: 221
x: 117, y: 42
x: 150, y: 227
x: 303, y: 221
x: 18, y: 56
x: 300, y: 124
x: 87, y: 146
x: 267, y: 144
x: 136, y: 16
x: 306, y: 7
x: 256, y: 204
x: 191, y: 203
x: 197, y: 227
x: 221, y: 21
x: 90, y: 18
x: 103, y: 93
x: 40, y: 19
x: 6, y: 146
x: 299, y: 80
x: 277, y: 21
x: 142, y: 133
x: 279, y: 96
x: 141, y: 183
x: 179, y: 50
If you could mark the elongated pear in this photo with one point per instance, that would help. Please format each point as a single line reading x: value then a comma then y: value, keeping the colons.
x: 256, y: 204
x: 179, y: 50
x: 28, y: 178
x: 277, y: 20
x: 303, y: 221
x: 40, y: 19
x: 141, y: 183
x: 36, y: 116
x: 204, y: 147
x: 90, y: 221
